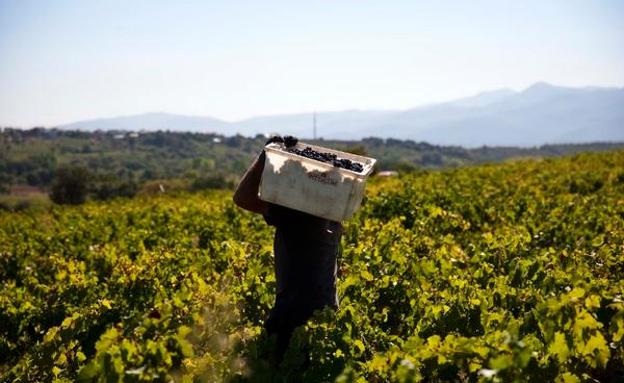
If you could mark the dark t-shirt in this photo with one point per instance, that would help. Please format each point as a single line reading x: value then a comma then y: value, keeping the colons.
x: 305, y: 248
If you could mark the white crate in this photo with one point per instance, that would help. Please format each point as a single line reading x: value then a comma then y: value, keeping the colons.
x: 311, y: 186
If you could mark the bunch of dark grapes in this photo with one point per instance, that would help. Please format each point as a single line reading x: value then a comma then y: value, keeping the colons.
x: 288, y: 141
x: 344, y: 163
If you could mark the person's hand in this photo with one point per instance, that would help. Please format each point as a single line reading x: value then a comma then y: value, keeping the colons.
x: 274, y: 139
x: 290, y: 141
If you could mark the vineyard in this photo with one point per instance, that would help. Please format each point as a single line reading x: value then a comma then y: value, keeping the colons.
x: 497, y: 273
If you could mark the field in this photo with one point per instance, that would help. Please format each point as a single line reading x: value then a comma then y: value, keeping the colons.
x: 510, y: 272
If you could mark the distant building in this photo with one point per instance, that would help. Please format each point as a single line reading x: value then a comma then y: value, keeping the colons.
x: 216, y: 140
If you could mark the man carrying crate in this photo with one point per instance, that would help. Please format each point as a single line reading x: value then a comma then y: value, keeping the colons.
x: 305, y: 250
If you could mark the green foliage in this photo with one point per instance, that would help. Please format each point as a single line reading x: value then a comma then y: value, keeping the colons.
x: 211, y: 182
x: 70, y: 185
x: 38, y: 201
x: 115, y: 189
x: 30, y: 157
x: 360, y: 150
x: 507, y: 273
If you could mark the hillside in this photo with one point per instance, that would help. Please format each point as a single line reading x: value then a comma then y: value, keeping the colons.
x: 541, y: 114
x: 506, y: 272
x: 151, y: 122
x: 121, y: 163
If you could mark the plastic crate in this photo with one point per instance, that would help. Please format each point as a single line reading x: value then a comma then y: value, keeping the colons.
x: 311, y: 186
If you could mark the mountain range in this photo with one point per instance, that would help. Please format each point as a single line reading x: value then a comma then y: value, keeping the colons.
x: 540, y: 114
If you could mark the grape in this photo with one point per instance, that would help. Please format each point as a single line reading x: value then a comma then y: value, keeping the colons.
x: 290, y: 141
x: 331, y: 158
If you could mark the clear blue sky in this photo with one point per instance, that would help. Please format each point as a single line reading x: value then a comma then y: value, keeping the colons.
x: 65, y: 60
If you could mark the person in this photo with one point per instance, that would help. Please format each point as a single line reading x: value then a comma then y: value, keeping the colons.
x: 305, y: 257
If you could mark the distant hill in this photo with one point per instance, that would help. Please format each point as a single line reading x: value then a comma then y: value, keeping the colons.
x: 151, y: 122
x: 541, y: 114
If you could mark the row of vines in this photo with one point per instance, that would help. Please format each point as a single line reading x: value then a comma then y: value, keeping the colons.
x: 496, y: 273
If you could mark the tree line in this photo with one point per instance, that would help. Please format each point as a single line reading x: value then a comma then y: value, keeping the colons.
x: 75, y: 165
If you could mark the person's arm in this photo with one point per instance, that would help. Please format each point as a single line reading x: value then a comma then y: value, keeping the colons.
x: 246, y: 194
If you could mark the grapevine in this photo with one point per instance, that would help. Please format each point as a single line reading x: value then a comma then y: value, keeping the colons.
x: 496, y: 273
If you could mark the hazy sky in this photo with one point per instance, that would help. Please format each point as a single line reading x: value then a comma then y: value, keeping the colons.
x: 65, y: 60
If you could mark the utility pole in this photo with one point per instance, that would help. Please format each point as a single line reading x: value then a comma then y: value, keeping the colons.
x: 314, y: 125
